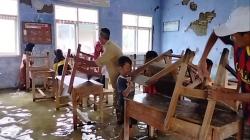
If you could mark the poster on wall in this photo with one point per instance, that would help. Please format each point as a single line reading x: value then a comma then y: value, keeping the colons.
x: 101, y: 3
x: 37, y: 33
x: 171, y: 26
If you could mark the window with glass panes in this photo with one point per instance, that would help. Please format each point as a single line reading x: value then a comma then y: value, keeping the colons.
x: 9, y: 28
x: 136, y: 34
x: 74, y: 26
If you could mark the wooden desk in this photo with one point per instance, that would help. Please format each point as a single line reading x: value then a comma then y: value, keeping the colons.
x: 152, y: 110
x: 64, y: 96
x: 81, y: 88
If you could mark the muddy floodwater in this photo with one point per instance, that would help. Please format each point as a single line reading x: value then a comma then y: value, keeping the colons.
x: 23, y: 119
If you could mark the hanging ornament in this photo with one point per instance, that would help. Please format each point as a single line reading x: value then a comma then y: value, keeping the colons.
x: 37, y: 4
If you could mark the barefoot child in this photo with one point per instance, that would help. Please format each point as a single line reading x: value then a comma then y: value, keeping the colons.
x: 124, y: 88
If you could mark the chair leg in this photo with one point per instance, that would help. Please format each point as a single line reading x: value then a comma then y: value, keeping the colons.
x: 207, y: 120
x: 240, y: 133
x: 107, y: 99
x: 126, y: 124
x: 101, y: 97
x: 88, y: 103
x: 54, y: 84
x: 95, y: 102
x: 151, y: 131
x: 57, y: 95
x: 74, y: 111
x: 27, y: 81
x: 33, y: 89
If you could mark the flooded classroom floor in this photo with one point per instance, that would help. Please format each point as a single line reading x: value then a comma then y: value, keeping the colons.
x: 23, y: 119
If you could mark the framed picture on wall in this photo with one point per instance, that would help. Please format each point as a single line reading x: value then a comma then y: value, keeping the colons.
x: 38, y: 33
x: 171, y: 26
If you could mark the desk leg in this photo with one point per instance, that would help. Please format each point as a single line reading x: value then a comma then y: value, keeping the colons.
x: 240, y: 133
x: 126, y: 123
x: 57, y: 89
x: 151, y: 131
x: 101, y: 106
x: 74, y: 111
x: 54, y: 84
x: 34, y: 88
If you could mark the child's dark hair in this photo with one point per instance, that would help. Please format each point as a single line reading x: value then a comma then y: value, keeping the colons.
x: 150, y: 55
x: 123, y: 60
x: 59, y: 55
x: 29, y: 47
x: 105, y: 32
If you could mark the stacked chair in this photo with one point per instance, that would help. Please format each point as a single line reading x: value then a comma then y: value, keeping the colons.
x: 177, y: 111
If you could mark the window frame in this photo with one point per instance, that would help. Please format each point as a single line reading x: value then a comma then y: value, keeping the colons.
x: 17, y: 34
x: 137, y: 28
x: 76, y: 25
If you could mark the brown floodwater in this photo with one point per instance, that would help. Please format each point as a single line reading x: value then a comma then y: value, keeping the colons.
x: 23, y: 119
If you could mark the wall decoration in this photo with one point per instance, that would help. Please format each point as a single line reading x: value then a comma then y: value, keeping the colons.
x: 37, y: 33
x: 37, y: 4
x: 200, y: 26
x: 27, y: 2
x: 185, y: 2
x: 171, y: 26
x: 193, y: 6
x: 46, y: 9
x: 41, y: 6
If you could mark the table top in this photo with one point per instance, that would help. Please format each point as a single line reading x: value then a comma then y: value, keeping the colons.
x: 186, y: 110
x: 78, y: 81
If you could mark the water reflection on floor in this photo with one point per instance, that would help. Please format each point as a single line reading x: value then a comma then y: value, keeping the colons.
x: 23, y: 119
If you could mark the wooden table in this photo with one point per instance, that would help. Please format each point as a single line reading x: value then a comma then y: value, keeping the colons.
x: 81, y: 88
x: 152, y: 110
x: 64, y: 96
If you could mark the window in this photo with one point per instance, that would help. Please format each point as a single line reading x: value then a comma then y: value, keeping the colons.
x: 9, y: 28
x: 136, y: 34
x: 74, y: 26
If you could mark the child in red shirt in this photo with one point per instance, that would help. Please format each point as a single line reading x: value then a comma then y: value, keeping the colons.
x: 149, y: 56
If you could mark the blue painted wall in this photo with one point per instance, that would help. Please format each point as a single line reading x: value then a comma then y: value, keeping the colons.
x: 180, y: 40
x: 9, y: 66
x: 108, y: 17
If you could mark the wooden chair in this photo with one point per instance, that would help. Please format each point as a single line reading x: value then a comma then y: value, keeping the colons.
x: 156, y: 65
x: 62, y: 83
x: 180, y: 117
x: 221, y: 94
x: 84, y: 87
x: 210, y: 126
x: 40, y: 69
